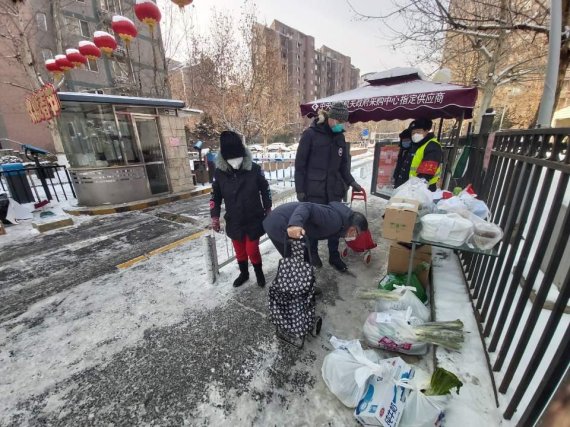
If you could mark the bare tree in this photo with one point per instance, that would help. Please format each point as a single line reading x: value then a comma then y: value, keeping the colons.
x: 490, y: 43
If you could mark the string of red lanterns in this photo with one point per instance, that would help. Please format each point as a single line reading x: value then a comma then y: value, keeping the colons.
x: 146, y: 11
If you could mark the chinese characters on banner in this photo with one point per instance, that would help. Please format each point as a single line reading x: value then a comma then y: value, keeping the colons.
x: 43, y: 104
x: 414, y: 99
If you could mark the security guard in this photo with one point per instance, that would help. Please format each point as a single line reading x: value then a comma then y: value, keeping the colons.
x: 428, y: 155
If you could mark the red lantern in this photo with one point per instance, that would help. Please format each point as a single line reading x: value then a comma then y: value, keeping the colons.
x: 63, y: 63
x: 89, y: 49
x: 182, y: 3
x: 148, y: 12
x: 76, y: 57
x: 125, y: 28
x: 52, y: 67
x: 105, y: 41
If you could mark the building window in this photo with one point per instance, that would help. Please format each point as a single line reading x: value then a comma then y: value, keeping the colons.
x: 92, y: 65
x: 47, y: 54
x: 80, y: 1
x: 84, y: 26
x: 41, y: 21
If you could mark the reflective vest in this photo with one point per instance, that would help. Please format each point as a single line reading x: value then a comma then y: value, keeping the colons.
x: 417, y: 160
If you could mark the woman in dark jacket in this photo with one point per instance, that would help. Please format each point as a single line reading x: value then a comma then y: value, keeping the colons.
x: 241, y: 185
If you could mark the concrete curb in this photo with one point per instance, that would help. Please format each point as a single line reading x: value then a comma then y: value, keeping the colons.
x: 137, y: 205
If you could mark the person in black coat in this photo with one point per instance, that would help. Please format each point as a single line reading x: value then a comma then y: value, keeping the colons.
x: 241, y: 185
x: 405, y: 155
x: 314, y: 221
x: 322, y: 173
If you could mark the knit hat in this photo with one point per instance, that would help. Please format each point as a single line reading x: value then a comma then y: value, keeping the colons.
x: 424, y: 124
x: 231, y: 145
x: 339, y: 112
x: 405, y: 134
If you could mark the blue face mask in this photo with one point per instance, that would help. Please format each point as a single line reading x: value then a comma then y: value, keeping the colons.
x: 339, y: 127
x: 406, y: 143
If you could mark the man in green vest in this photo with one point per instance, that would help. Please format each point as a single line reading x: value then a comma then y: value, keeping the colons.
x: 428, y: 155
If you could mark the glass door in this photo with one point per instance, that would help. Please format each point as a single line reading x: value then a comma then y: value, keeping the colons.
x: 146, y: 128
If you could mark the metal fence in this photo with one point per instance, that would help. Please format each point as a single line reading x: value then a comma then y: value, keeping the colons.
x: 33, y: 184
x: 520, y: 298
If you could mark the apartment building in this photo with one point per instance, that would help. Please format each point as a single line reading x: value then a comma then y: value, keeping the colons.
x: 313, y: 73
x: 52, y: 27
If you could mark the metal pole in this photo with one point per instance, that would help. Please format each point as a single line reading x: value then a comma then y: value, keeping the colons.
x: 551, y: 79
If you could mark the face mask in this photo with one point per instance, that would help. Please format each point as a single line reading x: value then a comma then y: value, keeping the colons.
x: 350, y: 238
x: 235, y: 163
x: 406, y: 143
x: 339, y: 127
x: 417, y: 137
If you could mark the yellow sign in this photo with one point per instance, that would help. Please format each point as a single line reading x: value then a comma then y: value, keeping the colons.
x: 43, y: 104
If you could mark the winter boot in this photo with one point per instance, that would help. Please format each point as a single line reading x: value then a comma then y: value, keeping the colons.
x: 259, y: 274
x: 243, y: 274
x: 337, y: 263
x: 315, y: 260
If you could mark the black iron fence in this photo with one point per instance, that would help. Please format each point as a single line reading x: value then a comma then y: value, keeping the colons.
x: 34, y: 184
x: 521, y: 297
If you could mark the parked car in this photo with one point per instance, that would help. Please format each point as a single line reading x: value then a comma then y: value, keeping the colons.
x: 277, y: 146
x: 255, y: 148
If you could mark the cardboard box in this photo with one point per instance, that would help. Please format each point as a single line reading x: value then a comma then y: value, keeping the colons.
x: 400, y: 219
x: 383, y: 401
x: 399, y: 257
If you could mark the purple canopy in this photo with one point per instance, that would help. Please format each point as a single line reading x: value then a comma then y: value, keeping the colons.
x: 400, y: 93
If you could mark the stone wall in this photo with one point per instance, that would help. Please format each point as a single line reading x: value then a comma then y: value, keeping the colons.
x: 176, y: 153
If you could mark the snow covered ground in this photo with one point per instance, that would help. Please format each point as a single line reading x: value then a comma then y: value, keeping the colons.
x: 156, y: 344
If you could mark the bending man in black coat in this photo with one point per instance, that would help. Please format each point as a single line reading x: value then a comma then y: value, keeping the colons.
x: 316, y: 222
x: 322, y: 174
x: 241, y: 185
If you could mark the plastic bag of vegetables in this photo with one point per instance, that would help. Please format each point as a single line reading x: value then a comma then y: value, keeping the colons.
x: 392, y: 280
x: 425, y: 406
x: 400, y: 331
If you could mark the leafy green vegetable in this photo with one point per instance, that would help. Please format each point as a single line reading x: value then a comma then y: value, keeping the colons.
x: 442, y: 382
x: 395, y: 279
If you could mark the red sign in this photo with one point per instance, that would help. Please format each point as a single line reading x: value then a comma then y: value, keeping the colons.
x: 386, y: 166
x: 43, y: 104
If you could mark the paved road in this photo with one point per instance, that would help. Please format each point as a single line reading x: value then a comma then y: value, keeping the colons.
x: 50, y: 263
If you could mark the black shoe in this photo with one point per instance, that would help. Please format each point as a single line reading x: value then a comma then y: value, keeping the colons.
x: 259, y: 275
x: 316, y: 261
x: 243, y: 275
x: 338, y: 263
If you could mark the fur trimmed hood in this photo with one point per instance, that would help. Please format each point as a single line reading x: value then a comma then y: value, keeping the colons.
x: 224, y: 166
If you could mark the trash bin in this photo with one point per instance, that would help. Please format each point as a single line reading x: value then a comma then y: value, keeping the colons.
x: 17, y: 181
x: 200, y: 171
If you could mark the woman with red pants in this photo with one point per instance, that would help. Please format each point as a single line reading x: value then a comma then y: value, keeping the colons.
x: 241, y: 185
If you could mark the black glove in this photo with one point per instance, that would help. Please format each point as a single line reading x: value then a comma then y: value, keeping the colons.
x: 301, y: 197
x: 356, y: 187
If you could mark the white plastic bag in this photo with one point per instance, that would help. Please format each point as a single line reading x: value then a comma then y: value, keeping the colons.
x: 486, y: 235
x: 347, y: 369
x: 464, y: 201
x: 416, y: 189
x: 406, y: 298
x: 451, y: 229
x: 391, y: 330
x: 423, y: 411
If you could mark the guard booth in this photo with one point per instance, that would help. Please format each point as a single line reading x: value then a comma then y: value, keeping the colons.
x: 122, y: 149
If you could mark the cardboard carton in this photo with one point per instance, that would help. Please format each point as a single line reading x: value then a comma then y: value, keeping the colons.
x: 399, y: 257
x: 384, y: 401
x: 400, y: 219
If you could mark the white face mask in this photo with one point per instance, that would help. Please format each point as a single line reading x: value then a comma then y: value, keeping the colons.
x: 235, y: 163
x: 417, y: 137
